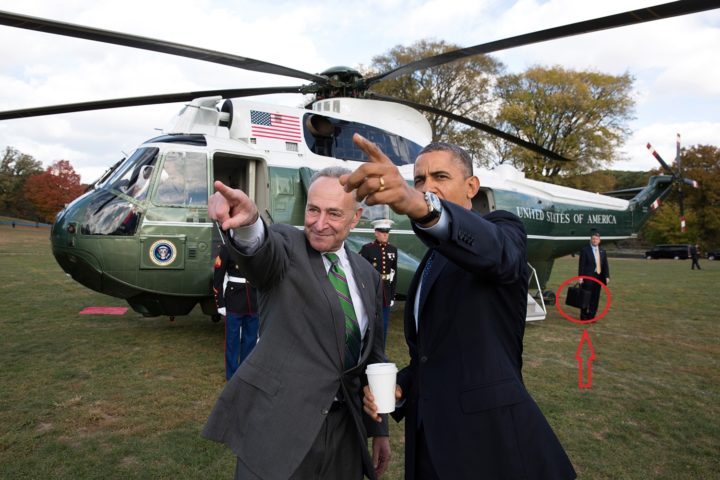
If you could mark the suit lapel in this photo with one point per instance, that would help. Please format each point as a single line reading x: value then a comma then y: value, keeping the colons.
x: 429, y: 321
x: 439, y: 262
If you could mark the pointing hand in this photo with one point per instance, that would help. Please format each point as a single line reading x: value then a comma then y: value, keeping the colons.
x: 232, y: 208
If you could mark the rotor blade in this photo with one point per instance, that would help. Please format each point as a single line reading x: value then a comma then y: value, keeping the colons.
x: 632, y: 17
x: 146, y: 100
x: 144, y: 43
x: 657, y: 156
x: 472, y: 123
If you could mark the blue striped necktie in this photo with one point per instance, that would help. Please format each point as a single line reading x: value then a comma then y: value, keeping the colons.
x: 425, y: 274
x: 338, y: 279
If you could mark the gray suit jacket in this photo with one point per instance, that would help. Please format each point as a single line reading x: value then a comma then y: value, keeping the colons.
x: 272, y: 409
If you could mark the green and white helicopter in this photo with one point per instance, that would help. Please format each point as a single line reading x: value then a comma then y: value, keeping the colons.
x: 142, y: 233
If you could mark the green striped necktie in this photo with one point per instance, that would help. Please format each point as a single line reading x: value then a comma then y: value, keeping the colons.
x: 338, y: 279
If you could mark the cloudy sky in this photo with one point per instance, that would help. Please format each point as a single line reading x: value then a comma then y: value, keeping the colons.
x: 675, y: 61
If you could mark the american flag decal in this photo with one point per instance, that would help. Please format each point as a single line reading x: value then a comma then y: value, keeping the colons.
x: 275, y: 125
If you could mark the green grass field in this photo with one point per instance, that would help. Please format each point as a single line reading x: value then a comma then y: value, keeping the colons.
x: 106, y: 397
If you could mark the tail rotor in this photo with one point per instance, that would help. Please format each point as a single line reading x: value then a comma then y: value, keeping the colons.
x: 678, y: 177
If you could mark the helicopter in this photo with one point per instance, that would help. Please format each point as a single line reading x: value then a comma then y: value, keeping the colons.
x: 141, y: 232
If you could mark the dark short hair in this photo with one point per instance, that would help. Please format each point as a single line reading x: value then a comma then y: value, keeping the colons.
x: 459, y: 154
x: 595, y: 233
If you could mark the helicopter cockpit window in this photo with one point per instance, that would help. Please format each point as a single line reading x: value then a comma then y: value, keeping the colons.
x: 133, y: 176
x: 110, y: 214
x: 183, y: 180
x: 332, y: 137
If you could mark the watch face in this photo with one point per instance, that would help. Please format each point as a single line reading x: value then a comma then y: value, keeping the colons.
x: 434, y: 201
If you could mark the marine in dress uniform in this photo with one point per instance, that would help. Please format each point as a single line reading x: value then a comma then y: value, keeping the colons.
x: 236, y: 300
x: 383, y: 257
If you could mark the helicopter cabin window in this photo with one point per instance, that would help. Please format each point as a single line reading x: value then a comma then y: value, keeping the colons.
x: 132, y: 177
x: 331, y: 137
x: 183, y: 180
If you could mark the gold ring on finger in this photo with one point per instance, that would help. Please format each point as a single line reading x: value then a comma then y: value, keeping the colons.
x: 382, y: 184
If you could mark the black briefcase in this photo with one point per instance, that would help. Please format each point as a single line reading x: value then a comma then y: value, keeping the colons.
x: 577, y: 297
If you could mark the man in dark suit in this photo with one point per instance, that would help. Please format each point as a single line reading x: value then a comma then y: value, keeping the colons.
x: 593, y: 263
x: 467, y: 412
x: 292, y: 409
x: 236, y: 300
x: 383, y: 257
x: 695, y: 256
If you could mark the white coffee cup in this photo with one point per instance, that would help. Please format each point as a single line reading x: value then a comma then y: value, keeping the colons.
x: 382, y: 378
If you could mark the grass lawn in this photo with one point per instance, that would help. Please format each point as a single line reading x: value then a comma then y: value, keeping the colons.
x: 105, y: 397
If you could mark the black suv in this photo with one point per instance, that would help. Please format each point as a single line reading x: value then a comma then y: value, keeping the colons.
x: 713, y: 254
x: 680, y: 251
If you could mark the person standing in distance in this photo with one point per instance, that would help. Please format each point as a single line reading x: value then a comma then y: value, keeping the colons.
x: 593, y: 263
x: 467, y: 412
x: 236, y: 300
x: 293, y: 408
x: 695, y: 256
x: 383, y: 256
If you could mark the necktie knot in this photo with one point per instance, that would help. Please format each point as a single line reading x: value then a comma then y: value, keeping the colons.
x: 333, y: 257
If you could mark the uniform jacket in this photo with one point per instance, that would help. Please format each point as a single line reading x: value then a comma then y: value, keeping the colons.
x: 586, y: 264
x: 464, y: 383
x: 384, y: 258
x: 272, y: 409
x: 237, y: 297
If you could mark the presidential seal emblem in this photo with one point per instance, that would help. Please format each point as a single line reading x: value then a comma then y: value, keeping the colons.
x: 162, y: 253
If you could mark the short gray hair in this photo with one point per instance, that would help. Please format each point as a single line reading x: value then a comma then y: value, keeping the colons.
x: 332, y: 172
x: 459, y: 154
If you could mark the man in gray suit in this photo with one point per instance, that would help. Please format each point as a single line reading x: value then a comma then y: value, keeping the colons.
x: 292, y: 409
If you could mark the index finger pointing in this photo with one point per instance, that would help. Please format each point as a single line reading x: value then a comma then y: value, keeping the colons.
x: 375, y: 155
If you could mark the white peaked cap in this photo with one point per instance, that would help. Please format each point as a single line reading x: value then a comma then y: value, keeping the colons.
x: 383, y: 223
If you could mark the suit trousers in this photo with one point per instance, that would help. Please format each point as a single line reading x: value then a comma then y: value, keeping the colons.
x: 335, y: 453
x: 594, y: 289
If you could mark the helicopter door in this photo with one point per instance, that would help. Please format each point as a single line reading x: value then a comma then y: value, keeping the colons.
x: 238, y: 172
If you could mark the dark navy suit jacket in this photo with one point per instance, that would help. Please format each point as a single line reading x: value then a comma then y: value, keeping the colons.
x: 464, y: 382
x: 586, y: 264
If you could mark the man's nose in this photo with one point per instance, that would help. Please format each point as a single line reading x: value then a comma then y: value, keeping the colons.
x: 321, y: 221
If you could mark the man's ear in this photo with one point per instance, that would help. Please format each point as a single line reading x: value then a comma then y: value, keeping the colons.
x: 473, y: 185
x: 356, y: 217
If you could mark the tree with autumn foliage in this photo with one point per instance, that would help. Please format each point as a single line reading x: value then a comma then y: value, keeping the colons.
x: 702, y: 205
x: 51, y: 190
x: 581, y: 115
x: 15, y: 169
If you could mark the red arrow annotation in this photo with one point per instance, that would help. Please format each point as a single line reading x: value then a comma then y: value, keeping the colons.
x: 585, y: 338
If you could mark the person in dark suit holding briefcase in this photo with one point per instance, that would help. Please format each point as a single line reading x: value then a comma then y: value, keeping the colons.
x: 593, y: 263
